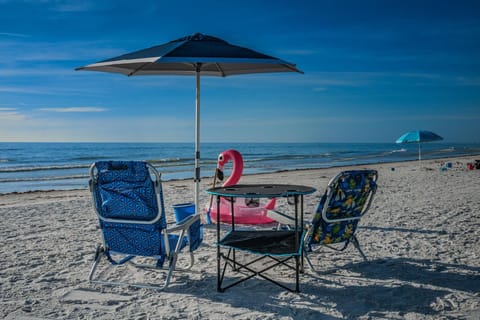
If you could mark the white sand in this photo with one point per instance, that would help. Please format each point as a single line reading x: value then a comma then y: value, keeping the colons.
x: 421, y: 237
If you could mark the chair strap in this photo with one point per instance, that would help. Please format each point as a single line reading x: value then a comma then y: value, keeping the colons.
x: 119, y: 262
x: 159, y: 264
x: 336, y: 249
x: 330, y: 247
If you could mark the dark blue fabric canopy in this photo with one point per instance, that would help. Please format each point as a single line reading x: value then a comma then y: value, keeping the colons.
x: 188, y: 55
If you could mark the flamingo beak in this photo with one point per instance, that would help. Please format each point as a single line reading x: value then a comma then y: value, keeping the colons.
x: 220, y: 165
x: 220, y: 175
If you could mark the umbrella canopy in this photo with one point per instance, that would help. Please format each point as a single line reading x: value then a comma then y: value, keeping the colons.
x: 419, y: 136
x: 188, y: 55
x: 197, y: 55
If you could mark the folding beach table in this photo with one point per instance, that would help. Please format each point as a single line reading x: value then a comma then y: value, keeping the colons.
x: 278, y: 246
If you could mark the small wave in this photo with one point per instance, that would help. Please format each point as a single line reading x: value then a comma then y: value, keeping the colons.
x: 399, y: 150
x: 43, y: 168
x: 451, y: 149
x: 91, y: 158
x: 166, y: 160
x: 9, y: 149
x: 164, y: 163
x: 79, y: 176
x: 4, y: 160
x: 288, y: 157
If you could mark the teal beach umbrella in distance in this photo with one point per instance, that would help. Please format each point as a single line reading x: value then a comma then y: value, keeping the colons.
x: 419, y: 136
x: 198, y: 54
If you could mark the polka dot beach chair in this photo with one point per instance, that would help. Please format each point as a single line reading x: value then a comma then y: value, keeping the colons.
x: 347, y: 198
x: 128, y: 200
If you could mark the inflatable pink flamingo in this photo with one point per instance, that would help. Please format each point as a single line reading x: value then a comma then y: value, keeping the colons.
x: 247, y: 210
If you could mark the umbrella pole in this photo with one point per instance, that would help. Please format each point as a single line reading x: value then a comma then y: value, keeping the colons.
x: 208, y: 218
x: 419, y: 153
x: 197, y: 141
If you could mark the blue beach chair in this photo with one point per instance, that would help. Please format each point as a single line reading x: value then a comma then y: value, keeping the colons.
x: 128, y: 200
x: 347, y: 198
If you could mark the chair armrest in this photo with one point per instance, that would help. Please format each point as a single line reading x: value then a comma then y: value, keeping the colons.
x: 184, y: 224
x: 283, y: 219
x: 280, y: 217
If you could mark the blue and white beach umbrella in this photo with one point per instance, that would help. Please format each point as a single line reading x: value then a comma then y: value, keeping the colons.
x: 197, y: 55
x: 419, y: 136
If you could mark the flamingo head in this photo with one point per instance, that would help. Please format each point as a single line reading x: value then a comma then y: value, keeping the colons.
x: 220, y: 164
x: 224, y: 158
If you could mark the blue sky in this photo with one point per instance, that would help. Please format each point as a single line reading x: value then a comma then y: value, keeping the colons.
x: 373, y: 70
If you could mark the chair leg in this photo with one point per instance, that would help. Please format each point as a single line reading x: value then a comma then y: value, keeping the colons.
x: 353, y: 240
x: 309, y: 262
x: 171, y: 267
x: 98, y: 256
x: 180, y: 267
x: 192, y: 261
x: 101, y: 252
x: 357, y: 245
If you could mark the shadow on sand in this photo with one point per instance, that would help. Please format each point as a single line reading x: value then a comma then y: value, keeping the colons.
x: 373, y: 288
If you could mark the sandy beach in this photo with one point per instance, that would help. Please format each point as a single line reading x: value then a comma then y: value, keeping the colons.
x: 421, y: 237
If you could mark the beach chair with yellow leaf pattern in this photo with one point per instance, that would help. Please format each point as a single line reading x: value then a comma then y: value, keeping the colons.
x: 347, y: 198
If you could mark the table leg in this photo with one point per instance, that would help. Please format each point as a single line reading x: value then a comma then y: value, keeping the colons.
x: 219, y: 282
x: 232, y: 210
x: 297, y: 275
x: 301, y: 219
x: 297, y: 243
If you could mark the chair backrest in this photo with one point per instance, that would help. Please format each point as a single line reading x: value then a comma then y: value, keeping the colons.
x: 128, y: 201
x: 346, y: 200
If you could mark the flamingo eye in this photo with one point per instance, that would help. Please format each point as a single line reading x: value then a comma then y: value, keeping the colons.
x: 220, y: 157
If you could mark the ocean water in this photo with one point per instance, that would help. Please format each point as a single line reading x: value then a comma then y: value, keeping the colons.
x: 61, y: 166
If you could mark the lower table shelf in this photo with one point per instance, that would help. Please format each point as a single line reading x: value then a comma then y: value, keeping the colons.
x: 278, y: 247
x: 265, y: 242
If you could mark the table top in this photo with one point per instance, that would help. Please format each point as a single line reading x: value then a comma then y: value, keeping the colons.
x: 261, y: 190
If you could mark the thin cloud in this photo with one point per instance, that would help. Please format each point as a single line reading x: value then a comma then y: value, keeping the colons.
x: 10, y: 114
x: 21, y: 50
x: 299, y: 52
x: 467, y: 81
x: 43, y: 90
x: 29, y: 72
x: 73, y: 6
x: 117, y: 129
x: 362, y: 79
x: 16, y: 35
x: 74, y: 109
x: 21, y: 90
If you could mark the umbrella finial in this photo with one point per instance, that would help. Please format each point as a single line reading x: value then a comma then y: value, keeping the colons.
x: 197, y: 36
